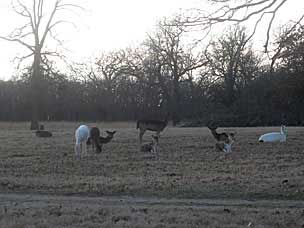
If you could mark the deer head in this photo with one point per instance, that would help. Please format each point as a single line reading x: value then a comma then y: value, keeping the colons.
x: 110, y: 134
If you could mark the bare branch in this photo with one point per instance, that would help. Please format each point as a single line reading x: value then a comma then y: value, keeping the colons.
x: 242, y: 11
x: 21, y: 59
x: 47, y: 27
x: 18, y: 41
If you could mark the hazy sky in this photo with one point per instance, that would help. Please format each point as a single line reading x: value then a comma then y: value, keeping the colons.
x: 106, y: 25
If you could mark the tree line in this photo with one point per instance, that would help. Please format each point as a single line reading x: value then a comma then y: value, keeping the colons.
x: 165, y: 77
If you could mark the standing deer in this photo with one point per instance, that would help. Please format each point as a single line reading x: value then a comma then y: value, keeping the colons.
x: 82, y: 135
x: 150, y: 125
x: 94, y: 139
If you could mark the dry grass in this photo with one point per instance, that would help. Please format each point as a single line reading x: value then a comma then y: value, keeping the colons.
x: 187, y: 167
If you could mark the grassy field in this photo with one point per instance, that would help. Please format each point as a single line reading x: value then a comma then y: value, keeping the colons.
x: 187, y: 167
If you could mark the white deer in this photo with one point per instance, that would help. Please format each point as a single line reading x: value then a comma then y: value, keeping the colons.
x: 275, y: 136
x: 82, y: 135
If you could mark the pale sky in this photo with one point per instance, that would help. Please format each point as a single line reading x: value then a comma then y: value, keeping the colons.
x: 107, y: 25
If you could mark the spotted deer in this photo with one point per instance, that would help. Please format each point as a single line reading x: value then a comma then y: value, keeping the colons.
x: 150, y: 125
x: 224, y: 140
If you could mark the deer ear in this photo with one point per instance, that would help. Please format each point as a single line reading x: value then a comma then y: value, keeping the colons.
x: 113, y: 132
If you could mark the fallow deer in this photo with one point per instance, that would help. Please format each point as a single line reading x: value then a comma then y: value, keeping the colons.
x: 150, y: 125
x: 94, y: 139
x: 43, y: 133
x: 224, y: 140
x: 221, y: 137
x: 82, y: 135
x: 275, y: 136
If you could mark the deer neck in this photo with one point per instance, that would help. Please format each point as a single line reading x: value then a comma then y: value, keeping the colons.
x: 106, y: 139
x: 215, y: 134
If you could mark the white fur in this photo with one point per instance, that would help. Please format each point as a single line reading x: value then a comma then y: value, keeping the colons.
x: 275, y: 136
x: 82, y: 134
x: 227, y: 147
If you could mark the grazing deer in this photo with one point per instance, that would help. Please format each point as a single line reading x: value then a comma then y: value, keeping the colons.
x: 150, y: 125
x: 82, y: 135
x: 150, y: 147
x: 94, y: 139
x: 108, y: 138
x: 224, y: 140
x: 275, y: 136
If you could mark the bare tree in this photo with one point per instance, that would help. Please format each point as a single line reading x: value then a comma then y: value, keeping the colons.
x: 40, y: 21
x: 173, y: 60
x: 231, y: 62
x: 289, y: 48
x: 238, y: 12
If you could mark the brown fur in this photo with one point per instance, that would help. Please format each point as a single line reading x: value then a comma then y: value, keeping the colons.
x: 150, y: 125
x: 107, y: 139
x: 221, y: 137
x: 43, y: 134
x: 94, y: 139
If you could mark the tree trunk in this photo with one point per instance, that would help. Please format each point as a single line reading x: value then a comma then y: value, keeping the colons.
x: 175, y: 103
x: 35, y: 91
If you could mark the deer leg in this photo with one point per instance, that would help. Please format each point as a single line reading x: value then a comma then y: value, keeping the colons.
x: 85, y: 152
x: 141, y: 134
x: 158, y: 134
x: 77, y: 149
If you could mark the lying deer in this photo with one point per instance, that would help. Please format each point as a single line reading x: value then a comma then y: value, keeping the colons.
x: 43, y: 133
x: 150, y: 125
x: 224, y: 140
x: 150, y: 147
x: 275, y: 136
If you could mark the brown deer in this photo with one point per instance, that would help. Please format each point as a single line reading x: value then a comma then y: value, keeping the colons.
x: 221, y: 137
x: 224, y: 140
x: 43, y: 133
x: 150, y: 125
x: 108, y: 138
x: 150, y: 147
x: 94, y: 139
